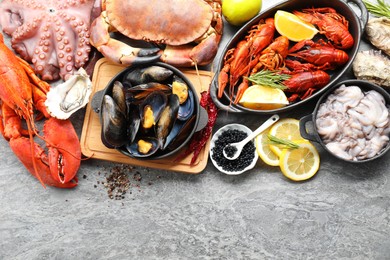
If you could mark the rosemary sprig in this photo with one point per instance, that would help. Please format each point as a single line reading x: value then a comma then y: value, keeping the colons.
x: 282, y: 142
x: 379, y: 9
x: 269, y: 78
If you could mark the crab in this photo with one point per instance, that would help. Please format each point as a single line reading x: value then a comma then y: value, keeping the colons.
x: 186, y: 32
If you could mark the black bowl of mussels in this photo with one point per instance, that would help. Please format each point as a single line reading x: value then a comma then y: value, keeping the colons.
x: 148, y: 111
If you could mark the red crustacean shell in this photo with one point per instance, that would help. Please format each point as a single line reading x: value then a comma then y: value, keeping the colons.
x: 160, y: 21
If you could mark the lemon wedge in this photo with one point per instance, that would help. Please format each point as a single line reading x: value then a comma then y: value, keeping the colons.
x: 286, y: 128
x: 264, y: 151
x: 263, y: 98
x: 294, y: 28
x: 301, y: 163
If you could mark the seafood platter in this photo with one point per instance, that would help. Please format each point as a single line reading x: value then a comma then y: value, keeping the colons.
x: 148, y: 109
x: 244, y: 55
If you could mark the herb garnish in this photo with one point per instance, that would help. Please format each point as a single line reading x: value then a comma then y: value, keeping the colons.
x: 379, y: 9
x: 269, y: 78
x: 282, y: 142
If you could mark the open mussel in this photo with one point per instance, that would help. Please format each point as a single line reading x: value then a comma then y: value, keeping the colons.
x: 151, y: 109
x: 167, y: 119
x: 143, y: 147
x: 186, y: 109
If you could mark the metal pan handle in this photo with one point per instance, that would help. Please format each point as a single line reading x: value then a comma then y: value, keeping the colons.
x: 217, y: 102
x: 305, y: 132
x: 363, y: 12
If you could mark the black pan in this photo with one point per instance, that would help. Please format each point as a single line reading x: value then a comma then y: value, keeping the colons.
x: 350, y: 9
x: 200, y: 113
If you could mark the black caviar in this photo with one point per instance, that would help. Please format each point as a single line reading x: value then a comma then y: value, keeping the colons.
x: 244, y: 160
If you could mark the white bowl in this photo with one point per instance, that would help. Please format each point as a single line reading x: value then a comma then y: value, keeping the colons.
x: 216, y: 136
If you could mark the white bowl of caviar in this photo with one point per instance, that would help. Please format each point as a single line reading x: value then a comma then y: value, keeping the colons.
x: 228, y: 134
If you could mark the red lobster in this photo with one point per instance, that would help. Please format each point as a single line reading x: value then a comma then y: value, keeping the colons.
x: 21, y: 91
x: 303, y: 84
x: 236, y: 60
x: 318, y: 56
x: 333, y: 25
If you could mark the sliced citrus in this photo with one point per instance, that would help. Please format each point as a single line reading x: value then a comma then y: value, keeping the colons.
x: 263, y: 98
x: 286, y: 128
x: 301, y: 163
x: 291, y: 26
x: 264, y: 151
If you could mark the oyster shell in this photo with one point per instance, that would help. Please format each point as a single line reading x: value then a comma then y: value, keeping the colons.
x: 378, y: 33
x: 66, y: 98
x: 373, y: 66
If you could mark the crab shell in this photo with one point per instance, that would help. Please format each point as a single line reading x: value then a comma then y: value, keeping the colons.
x: 172, y: 22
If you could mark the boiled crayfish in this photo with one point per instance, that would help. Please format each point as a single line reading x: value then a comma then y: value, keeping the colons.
x: 330, y: 23
x: 21, y: 93
x: 316, y: 56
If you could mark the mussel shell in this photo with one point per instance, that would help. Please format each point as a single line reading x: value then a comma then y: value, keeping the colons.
x: 167, y: 119
x: 119, y: 96
x: 132, y: 147
x: 134, y: 121
x: 157, y: 100
x: 179, y: 133
x: 187, y: 108
x: 139, y: 75
x: 114, y: 124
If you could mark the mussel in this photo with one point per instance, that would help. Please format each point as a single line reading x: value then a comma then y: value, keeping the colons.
x: 114, y: 123
x: 167, y: 119
x: 143, y: 147
x: 151, y: 109
x: 139, y: 76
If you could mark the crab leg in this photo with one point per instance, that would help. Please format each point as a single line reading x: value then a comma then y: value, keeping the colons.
x: 115, y: 50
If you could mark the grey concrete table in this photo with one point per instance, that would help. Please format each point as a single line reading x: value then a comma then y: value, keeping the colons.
x: 342, y: 213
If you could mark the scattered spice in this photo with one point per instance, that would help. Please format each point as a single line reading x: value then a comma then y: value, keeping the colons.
x: 118, y: 181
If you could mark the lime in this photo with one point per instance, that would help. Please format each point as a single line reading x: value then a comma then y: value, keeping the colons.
x: 238, y: 12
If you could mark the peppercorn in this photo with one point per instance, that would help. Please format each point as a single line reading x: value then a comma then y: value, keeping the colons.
x: 244, y: 159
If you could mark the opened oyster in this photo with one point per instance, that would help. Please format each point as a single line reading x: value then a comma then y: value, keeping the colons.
x: 65, y: 99
x: 372, y: 66
x: 378, y: 33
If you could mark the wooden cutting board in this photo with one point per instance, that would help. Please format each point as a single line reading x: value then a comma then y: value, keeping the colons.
x: 92, y: 146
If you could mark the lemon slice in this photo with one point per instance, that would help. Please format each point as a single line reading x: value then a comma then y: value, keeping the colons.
x: 286, y: 128
x: 264, y: 151
x: 291, y: 26
x: 300, y: 164
x: 263, y: 98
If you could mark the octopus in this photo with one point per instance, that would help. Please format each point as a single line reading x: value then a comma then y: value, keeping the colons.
x: 353, y: 124
x: 53, y: 35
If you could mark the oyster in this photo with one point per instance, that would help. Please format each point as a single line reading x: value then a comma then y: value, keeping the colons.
x: 372, y: 66
x: 378, y: 33
x: 66, y: 98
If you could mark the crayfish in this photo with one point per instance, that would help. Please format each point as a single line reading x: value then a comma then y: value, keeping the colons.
x: 21, y: 94
x: 330, y: 23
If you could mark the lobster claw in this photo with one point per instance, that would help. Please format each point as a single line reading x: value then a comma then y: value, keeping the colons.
x: 64, y: 149
x: 59, y: 167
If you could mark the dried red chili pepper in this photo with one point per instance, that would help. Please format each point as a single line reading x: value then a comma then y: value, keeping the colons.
x: 200, y: 138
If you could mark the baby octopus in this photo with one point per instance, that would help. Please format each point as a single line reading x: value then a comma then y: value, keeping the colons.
x: 53, y: 35
x: 353, y: 124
